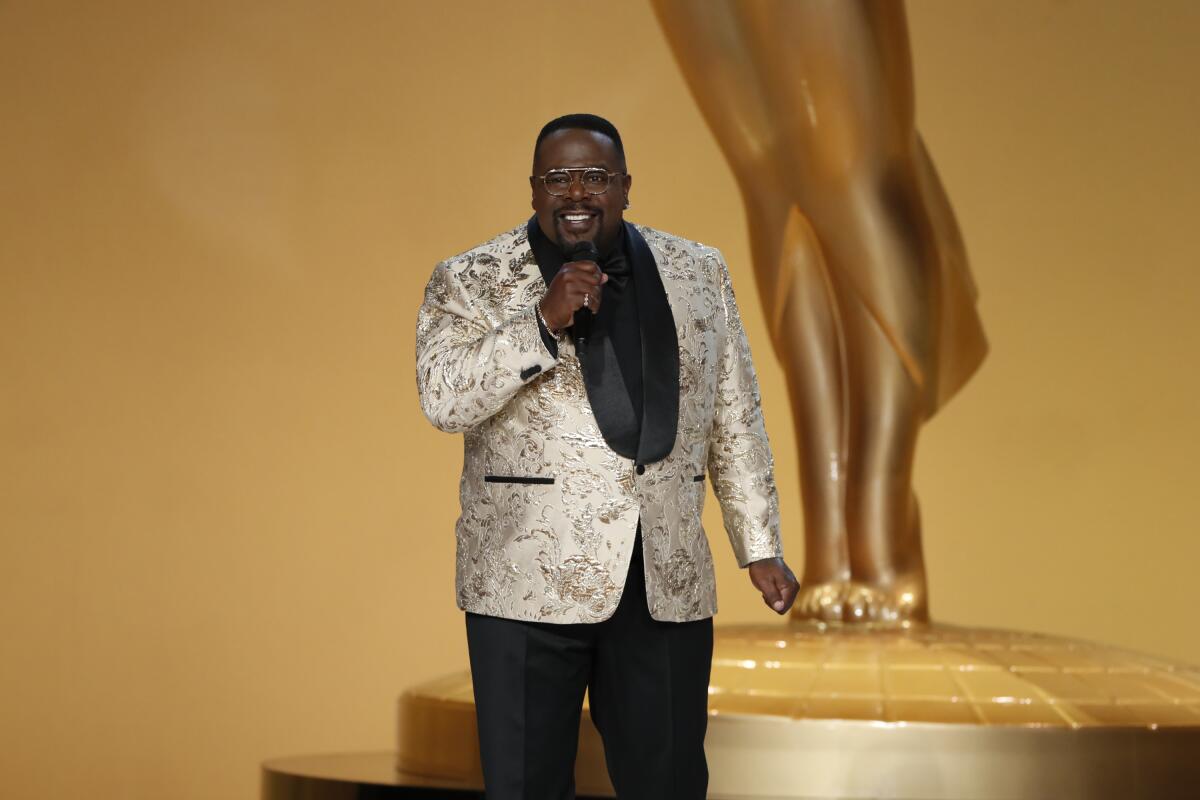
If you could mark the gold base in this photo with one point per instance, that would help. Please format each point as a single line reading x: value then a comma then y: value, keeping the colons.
x: 929, y: 711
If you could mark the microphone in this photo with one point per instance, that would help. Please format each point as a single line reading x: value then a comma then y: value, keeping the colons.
x: 582, y: 325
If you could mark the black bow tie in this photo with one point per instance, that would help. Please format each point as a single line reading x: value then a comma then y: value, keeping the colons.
x: 616, y: 267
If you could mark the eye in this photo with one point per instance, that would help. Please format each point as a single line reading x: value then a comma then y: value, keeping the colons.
x: 595, y: 177
x: 558, y: 179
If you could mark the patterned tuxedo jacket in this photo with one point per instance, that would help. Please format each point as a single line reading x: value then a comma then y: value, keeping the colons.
x: 548, y: 509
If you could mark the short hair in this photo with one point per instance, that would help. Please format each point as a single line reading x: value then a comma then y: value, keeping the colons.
x: 585, y: 122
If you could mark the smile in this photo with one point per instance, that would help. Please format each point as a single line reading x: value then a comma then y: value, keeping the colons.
x: 577, y: 221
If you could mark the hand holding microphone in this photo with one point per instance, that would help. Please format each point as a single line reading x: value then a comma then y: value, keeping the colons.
x: 574, y: 295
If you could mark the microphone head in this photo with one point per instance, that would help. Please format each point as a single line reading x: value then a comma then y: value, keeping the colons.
x: 583, y: 251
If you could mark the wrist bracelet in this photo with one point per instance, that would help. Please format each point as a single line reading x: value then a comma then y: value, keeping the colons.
x: 552, y: 331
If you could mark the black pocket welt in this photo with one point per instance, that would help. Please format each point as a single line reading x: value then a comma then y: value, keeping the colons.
x: 516, y: 479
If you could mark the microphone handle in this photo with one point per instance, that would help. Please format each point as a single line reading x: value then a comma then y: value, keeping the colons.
x: 582, y: 326
x: 582, y: 320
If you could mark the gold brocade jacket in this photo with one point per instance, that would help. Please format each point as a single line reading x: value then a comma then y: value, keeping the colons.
x: 548, y: 510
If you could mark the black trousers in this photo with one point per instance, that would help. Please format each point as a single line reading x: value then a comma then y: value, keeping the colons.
x: 647, y: 684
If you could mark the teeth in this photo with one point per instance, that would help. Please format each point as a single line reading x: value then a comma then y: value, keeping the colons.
x: 576, y: 217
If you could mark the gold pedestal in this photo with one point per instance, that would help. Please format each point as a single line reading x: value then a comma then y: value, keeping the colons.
x: 932, y: 711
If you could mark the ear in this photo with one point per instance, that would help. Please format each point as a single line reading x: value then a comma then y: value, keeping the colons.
x: 533, y: 192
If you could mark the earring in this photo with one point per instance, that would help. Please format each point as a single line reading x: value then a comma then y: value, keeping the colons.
x: 627, y: 202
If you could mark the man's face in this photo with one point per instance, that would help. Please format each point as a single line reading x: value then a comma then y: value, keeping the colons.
x: 578, y: 216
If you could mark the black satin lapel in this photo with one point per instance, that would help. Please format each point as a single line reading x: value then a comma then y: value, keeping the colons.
x: 545, y: 252
x: 608, y: 396
x: 660, y: 354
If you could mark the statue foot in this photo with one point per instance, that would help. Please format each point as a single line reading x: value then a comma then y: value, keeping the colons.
x: 820, y: 600
x: 897, y: 602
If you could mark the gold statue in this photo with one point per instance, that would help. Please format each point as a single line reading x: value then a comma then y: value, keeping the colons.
x: 859, y: 263
x: 871, y: 309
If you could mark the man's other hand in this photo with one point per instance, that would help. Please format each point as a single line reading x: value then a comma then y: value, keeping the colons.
x: 778, y: 585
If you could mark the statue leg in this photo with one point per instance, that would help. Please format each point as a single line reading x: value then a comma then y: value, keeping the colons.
x: 796, y: 296
x: 807, y: 337
x: 812, y: 104
x: 837, y: 79
x: 886, y: 412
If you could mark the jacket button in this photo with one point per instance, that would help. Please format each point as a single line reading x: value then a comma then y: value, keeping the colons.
x: 641, y: 468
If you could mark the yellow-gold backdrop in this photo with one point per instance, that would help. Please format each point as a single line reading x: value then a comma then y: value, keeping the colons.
x: 225, y: 526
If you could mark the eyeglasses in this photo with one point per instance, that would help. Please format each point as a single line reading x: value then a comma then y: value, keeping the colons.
x: 593, y: 180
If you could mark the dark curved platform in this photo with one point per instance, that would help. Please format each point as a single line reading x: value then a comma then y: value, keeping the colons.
x: 357, y: 776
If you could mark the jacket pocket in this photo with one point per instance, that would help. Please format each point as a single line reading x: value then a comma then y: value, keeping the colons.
x: 516, y: 479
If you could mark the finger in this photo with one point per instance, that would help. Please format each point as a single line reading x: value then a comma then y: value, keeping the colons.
x: 585, y: 267
x: 770, y: 594
x: 577, y: 271
x: 787, y: 593
x: 593, y: 299
x: 583, y: 279
x: 579, y: 291
x: 779, y: 584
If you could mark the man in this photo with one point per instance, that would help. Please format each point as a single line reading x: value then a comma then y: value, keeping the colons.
x: 581, y: 559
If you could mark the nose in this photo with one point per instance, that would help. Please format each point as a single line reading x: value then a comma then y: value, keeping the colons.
x: 575, y: 191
